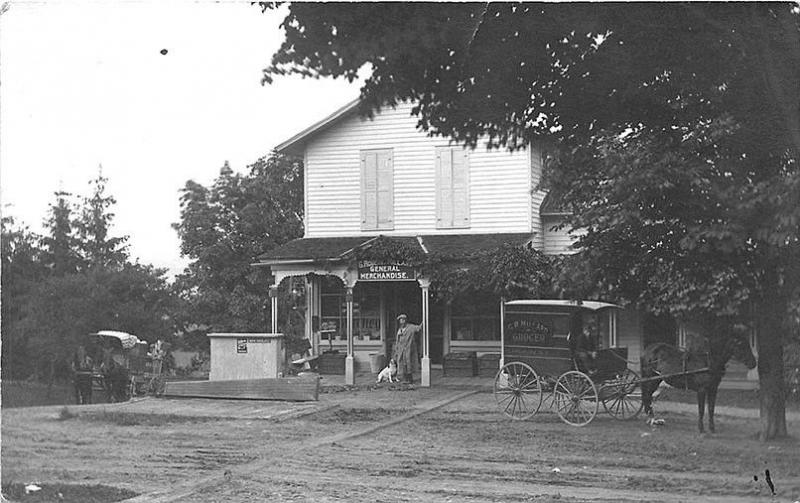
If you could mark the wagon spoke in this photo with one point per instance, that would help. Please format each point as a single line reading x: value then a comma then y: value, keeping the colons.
x: 623, y: 400
x: 522, y: 406
x: 507, y: 397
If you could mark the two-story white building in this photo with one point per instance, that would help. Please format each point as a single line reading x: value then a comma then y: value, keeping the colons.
x: 366, y: 178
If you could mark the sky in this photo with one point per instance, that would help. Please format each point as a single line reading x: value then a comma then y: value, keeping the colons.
x: 85, y: 84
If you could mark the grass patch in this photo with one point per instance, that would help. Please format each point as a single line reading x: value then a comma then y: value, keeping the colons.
x: 141, y: 419
x: 15, y: 491
x: 64, y: 414
x: 33, y: 394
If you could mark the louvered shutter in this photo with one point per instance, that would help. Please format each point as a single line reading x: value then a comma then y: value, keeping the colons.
x: 444, y: 188
x: 452, y: 188
x: 385, y: 190
x: 369, y: 190
x: 377, y: 190
x: 460, y: 187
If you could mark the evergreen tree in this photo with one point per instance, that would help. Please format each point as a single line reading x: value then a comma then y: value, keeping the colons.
x: 98, y: 249
x: 61, y: 243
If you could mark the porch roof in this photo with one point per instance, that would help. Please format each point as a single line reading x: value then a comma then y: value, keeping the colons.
x: 553, y: 204
x: 338, y: 248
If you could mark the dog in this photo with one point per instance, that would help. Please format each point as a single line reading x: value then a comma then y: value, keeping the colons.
x: 389, y: 373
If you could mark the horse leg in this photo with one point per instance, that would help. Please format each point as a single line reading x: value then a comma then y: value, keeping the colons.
x: 701, y: 405
x: 712, y: 400
x: 647, y: 396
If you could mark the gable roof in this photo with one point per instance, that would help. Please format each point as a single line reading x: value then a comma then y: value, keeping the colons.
x: 294, y: 144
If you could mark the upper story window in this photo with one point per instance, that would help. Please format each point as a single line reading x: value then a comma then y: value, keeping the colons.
x: 377, y: 190
x: 452, y: 188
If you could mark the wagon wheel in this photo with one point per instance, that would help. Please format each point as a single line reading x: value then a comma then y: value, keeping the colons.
x: 622, y: 396
x: 517, y: 390
x: 575, y: 398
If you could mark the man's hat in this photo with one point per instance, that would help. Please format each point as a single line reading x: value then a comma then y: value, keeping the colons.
x: 402, y: 316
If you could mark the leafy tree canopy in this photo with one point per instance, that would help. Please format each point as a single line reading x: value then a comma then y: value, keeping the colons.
x: 224, y: 227
x: 74, y: 280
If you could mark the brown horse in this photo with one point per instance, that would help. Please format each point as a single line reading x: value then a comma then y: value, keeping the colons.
x: 664, y: 360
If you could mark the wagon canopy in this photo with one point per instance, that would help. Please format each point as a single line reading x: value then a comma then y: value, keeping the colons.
x: 128, y: 341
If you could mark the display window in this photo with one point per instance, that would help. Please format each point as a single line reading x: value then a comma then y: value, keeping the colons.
x: 476, y: 318
x: 366, y: 311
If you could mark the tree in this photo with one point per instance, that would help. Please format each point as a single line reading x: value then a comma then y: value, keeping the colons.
x: 61, y: 243
x: 73, y: 281
x: 94, y: 222
x: 63, y: 310
x: 674, y: 131
x: 224, y: 227
x: 21, y: 268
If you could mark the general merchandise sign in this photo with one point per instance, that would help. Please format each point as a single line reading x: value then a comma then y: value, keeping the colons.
x: 374, y: 271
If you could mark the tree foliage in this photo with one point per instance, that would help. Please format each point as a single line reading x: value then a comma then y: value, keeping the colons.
x: 93, y: 224
x: 61, y: 241
x: 63, y: 310
x: 673, y: 132
x: 224, y: 227
x: 508, y: 271
x: 74, y: 280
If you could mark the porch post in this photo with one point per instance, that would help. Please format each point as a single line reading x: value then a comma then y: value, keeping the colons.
x: 310, y: 314
x: 273, y: 297
x: 349, y: 363
x: 425, y: 378
x: 502, y: 331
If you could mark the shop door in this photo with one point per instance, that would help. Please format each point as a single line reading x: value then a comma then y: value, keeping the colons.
x: 402, y: 297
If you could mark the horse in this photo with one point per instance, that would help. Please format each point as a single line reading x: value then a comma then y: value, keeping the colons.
x: 115, y: 378
x: 663, y: 359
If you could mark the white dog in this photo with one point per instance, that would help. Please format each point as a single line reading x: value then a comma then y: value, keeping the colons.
x: 389, y: 373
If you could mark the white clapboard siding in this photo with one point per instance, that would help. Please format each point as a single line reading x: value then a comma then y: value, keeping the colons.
x: 499, y: 181
x: 557, y: 241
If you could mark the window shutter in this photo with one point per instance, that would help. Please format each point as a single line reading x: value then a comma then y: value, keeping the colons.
x: 385, y: 190
x: 377, y: 190
x: 460, y: 188
x: 452, y: 188
x: 444, y: 193
x: 369, y: 190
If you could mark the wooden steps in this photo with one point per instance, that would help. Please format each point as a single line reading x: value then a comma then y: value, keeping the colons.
x: 296, y: 389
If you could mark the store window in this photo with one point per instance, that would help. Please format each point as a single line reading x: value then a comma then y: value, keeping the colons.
x: 333, y: 310
x: 475, y: 319
x: 366, y: 311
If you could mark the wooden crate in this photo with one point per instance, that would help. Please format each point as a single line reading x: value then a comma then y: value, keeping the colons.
x: 331, y: 363
x: 488, y: 364
x: 460, y: 365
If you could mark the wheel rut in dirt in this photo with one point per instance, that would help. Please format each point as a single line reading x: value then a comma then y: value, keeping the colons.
x: 187, y: 490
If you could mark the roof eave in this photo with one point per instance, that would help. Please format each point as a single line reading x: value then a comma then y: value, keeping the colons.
x: 296, y: 143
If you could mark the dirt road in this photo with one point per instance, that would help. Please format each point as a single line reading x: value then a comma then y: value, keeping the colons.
x: 462, y: 451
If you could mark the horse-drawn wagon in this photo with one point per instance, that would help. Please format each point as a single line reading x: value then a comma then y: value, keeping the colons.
x: 551, y: 354
x: 128, y: 366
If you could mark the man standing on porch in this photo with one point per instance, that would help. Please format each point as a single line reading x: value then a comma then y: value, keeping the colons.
x: 405, y: 349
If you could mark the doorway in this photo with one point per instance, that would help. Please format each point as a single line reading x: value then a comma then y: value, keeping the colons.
x: 402, y: 297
